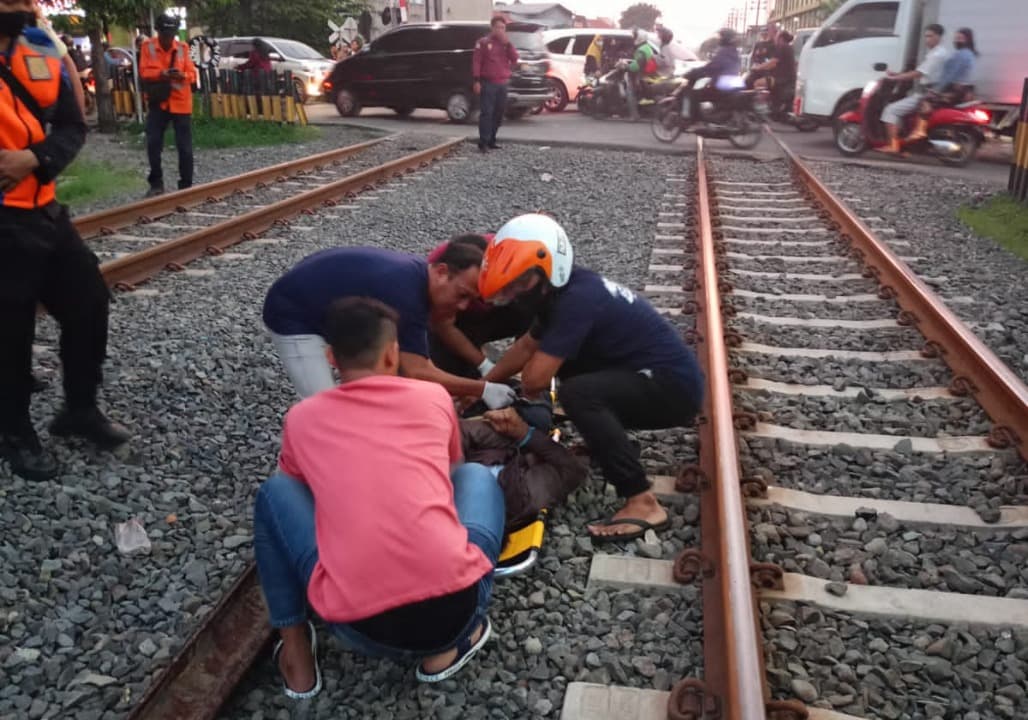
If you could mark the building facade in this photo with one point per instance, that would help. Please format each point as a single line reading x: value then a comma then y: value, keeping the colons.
x: 792, y: 15
x: 552, y: 15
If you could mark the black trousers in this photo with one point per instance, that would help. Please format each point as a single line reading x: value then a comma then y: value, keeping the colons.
x: 46, y: 262
x: 156, y: 123
x: 604, y: 404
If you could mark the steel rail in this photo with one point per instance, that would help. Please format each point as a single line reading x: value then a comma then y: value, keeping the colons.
x: 976, y: 368
x: 733, y: 687
x: 107, y: 221
x: 132, y: 269
x: 216, y: 657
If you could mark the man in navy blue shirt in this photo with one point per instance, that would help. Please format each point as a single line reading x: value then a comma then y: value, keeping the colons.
x: 296, y: 304
x: 621, y: 365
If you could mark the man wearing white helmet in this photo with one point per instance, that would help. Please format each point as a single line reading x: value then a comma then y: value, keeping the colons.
x: 621, y: 365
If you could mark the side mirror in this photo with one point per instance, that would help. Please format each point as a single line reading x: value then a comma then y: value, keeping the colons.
x: 274, y: 56
x: 880, y: 67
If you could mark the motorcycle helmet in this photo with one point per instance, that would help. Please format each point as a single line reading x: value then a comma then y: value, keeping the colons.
x: 726, y: 36
x: 523, y: 246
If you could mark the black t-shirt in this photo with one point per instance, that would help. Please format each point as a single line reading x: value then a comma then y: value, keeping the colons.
x: 762, y: 52
x: 785, y: 70
x: 422, y: 626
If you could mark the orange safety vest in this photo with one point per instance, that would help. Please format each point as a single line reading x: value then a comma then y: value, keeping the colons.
x: 38, y: 68
x: 154, y: 60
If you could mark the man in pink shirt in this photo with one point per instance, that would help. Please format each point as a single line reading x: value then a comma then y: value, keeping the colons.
x: 363, y: 521
x: 494, y: 56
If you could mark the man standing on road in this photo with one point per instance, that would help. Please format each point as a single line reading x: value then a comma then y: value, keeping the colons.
x: 493, y: 59
x: 44, y: 259
x: 169, y: 74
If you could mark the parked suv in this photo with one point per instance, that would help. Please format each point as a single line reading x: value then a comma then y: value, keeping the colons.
x: 309, y: 67
x: 567, y: 50
x: 428, y: 65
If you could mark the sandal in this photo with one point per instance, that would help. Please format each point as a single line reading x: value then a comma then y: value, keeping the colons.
x: 465, y: 652
x: 625, y: 537
x: 293, y: 694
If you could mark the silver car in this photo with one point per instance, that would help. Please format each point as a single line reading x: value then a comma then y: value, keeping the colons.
x: 309, y: 67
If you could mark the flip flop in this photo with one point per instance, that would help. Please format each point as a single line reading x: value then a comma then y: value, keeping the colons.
x: 293, y: 694
x: 625, y: 537
x: 465, y: 651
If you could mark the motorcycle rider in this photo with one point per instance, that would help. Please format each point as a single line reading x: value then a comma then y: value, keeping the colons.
x: 927, y: 75
x: 666, y: 57
x: 642, y: 65
x: 956, y: 82
x: 763, y: 51
x: 723, y: 71
x: 780, y: 68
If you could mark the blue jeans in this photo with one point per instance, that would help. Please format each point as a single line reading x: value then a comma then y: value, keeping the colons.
x: 286, y: 551
x: 492, y: 104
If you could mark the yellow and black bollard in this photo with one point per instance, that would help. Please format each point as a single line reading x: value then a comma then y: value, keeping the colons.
x: 1018, y: 185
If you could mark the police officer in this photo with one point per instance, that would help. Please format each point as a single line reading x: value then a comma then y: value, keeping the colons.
x: 42, y: 258
x: 169, y: 74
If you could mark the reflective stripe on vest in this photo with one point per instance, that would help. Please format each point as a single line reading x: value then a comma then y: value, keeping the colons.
x: 38, y: 68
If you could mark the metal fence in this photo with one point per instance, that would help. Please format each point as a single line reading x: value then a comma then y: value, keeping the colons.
x: 1018, y: 184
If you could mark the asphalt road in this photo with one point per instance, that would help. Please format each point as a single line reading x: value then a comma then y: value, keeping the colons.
x: 571, y: 127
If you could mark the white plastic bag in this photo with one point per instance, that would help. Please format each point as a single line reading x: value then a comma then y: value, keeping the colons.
x: 130, y: 537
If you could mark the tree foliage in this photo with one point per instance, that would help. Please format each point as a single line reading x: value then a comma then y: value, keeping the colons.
x: 640, y: 15
x: 306, y: 21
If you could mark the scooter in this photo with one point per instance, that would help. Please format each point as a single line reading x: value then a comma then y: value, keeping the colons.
x: 784, y: 110
x: 953, y: 134
x: 607, y: 94
x: 738, y: 116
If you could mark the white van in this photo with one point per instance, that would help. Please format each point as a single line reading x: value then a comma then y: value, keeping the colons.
x: 567, y: 50
x: 864, y: 38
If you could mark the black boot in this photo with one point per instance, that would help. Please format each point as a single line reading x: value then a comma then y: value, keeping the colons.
x: 91, y: 425
x: 26, y: 456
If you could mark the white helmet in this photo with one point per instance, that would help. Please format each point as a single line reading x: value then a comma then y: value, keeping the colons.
x: 526, y: 243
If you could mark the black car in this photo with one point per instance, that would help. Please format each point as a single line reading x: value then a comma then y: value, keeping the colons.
x: 428, y: 65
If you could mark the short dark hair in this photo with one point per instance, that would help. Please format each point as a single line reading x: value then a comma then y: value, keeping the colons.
x: 357, y: 328
x: 785, y: 36
x: 473, y: 239
x: 498, y: 19
x: 459, y: 256
x: 936, y: 28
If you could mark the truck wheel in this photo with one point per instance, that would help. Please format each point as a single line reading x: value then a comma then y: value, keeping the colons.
x: 347, y: 103
x: 458, y: 107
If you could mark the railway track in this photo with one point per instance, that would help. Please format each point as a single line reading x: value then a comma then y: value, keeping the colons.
x: 797, y: 572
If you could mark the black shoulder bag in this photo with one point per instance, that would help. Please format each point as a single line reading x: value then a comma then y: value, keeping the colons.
x: 159, y: 91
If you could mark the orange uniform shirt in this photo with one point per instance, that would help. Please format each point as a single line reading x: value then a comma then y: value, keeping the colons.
x: 37, y: 65
x: 154, y: 60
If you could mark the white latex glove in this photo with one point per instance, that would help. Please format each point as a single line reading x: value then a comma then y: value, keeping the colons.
x: 498, y: 395
x: 485, y: 367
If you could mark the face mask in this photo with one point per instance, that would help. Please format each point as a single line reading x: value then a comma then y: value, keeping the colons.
x: 12, y: 23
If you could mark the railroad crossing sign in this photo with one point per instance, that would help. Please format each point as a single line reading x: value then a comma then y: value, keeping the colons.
x: 344, y: 33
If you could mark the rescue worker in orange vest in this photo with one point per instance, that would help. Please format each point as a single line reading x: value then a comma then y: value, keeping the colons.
x: 44, y: 261
x: 169, y: 75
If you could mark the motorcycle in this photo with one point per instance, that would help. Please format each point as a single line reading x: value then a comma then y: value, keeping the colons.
x: 738, y: 116
x: 953, y: 133
x: 784, y: 110
x: 607, y: 94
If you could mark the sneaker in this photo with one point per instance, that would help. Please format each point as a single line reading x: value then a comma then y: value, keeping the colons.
x: 494, y: 146
x: 155, y: 190
x: 91, y: 425
x: 26, y: 456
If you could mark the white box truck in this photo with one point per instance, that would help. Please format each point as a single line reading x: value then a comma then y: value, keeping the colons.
x: 864, y: 38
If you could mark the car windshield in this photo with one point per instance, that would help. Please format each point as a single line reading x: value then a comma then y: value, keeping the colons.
x: 297, y: 50
x: 526, y: 40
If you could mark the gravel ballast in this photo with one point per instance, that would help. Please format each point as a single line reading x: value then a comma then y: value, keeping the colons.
x: 921, y: 209
x: 192, y: 372
x: 894, y: 669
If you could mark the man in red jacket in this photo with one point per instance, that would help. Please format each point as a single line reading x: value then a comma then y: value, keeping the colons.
x: 494, y: 56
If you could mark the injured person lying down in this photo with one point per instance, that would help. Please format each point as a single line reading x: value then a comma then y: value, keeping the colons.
x: 534, y: 472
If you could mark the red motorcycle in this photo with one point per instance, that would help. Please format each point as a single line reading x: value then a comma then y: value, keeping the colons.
x: 954, y: 133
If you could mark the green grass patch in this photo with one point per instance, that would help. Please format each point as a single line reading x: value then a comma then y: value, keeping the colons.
x: 214, y: 134
x: 1001, y: 218
x: 87, y: 181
